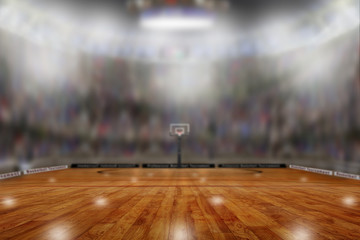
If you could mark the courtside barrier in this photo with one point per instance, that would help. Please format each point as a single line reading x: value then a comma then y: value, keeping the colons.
x: 347, y: 175
x: 253, y: 165
x: 298, y: 167
x: 321, y: 171
x: 103, y: 165
x: 10, y: 175
x: 314, y: 170
x: 45, y: 169
x: 187, y: 165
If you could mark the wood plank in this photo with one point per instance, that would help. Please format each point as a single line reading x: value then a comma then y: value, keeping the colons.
x: 179, y: 204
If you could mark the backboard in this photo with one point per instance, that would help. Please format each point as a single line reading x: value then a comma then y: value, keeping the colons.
x: 179, y: 129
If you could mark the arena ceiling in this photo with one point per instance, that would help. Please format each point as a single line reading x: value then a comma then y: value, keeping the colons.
x: 243, y: 28
x: 244, y: 9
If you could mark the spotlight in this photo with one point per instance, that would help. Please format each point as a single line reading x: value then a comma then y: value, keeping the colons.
x: 176, y: 19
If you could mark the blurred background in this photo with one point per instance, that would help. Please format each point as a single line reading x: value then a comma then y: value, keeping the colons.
x: 258, y: 81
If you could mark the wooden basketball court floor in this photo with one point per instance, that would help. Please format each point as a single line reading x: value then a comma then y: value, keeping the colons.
x: 179, y: 204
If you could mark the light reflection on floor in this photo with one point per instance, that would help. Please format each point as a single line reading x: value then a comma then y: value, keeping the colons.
x: 301, y: 233
x: 59, y: 232
x: 216, y: 200
x: 303, y: 179
x: 52, y: 180
x: 349, y: 201
x: 100, y: 201
x: 203, y: 179
x: 257, y: 175
x: 180, y: 232
x: 8, y: 201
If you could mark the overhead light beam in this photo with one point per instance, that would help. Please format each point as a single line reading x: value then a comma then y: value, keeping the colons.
x: 177, y: 23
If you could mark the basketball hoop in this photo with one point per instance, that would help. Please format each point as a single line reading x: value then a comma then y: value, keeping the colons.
x: 179, y: 130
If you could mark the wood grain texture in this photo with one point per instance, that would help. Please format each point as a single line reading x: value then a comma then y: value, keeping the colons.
x: 179, y: 204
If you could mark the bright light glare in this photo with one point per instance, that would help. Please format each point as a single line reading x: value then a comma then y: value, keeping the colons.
x: 52, y: 180
x: 180, y: 232
x: 348, y: 201
x: 176, y: 23
x: 216, y: 200
x: 303, y: 179
x: 101, y: 201
x: 59, y: 232
x: 302, y: 234
x: 185, y: 83
x: 8, y: 202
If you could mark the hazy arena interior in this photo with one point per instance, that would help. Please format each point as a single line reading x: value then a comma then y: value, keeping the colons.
x: 179, y: 119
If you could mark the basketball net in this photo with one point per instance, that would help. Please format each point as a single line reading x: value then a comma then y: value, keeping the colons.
x: 180, y: 132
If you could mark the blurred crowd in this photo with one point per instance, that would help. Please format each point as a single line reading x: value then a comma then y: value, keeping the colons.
x: 260, y: 107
